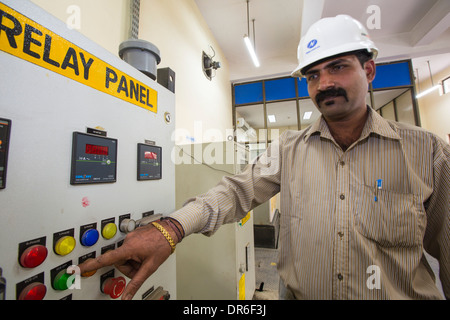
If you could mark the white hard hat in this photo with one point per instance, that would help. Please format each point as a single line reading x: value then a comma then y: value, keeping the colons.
x: 330, y: 37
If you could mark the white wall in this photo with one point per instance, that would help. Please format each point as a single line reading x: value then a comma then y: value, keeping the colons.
x: 179, y: 31
x: 435, y: 109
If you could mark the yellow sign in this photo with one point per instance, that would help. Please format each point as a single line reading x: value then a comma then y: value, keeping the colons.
x: 245, y: 219
x: 242, y: 287
x: 30, y: 41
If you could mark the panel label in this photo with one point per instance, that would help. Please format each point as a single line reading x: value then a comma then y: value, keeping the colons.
x: 34, y: 43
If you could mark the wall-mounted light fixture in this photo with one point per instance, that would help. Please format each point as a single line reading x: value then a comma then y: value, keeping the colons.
x: 248, y: 43
x: 208, y: 64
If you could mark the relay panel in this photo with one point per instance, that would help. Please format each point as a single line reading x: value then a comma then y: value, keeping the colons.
x: 68, y: 194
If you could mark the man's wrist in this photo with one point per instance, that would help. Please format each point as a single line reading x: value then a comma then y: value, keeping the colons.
x: 166, y: 234
x: 174, y: 228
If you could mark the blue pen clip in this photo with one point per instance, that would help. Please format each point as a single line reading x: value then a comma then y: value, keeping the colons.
x: 378, y: 187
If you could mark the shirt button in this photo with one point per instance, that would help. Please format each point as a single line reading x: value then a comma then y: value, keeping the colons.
x: 342, y: 163
x: 340, y: 276
x: 342, y: 196
x: 341, y: 234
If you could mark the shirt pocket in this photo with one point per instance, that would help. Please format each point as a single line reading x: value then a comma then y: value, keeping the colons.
x: 394, y: 219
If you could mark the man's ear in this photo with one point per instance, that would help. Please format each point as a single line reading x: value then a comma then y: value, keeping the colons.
x: 370, y: 69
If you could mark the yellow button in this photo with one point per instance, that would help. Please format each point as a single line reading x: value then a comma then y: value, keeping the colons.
x: 109, y: 230
x: 65, y: 245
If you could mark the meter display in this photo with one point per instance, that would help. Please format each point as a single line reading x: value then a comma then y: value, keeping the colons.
x: 148, y: 162
x: 94, y: 159
x: 5, y: 129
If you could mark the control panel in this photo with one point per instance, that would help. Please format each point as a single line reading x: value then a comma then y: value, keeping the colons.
x: 69, y: 153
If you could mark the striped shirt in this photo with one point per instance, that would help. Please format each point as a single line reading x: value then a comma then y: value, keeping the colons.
x: 355, y: 223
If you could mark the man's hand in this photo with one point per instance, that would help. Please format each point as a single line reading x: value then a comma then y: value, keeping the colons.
x: 140, y: 255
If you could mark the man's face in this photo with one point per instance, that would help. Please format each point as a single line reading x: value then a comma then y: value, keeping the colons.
x: 339, y: 86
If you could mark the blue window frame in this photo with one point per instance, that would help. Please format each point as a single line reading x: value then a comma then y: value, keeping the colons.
x: 248, y: 93
x: 391, y: 75
x: 280, y: 89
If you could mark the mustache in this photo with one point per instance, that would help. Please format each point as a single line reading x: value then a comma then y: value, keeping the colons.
x: 334, y: 92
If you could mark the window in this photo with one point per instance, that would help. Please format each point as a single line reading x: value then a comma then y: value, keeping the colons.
x: 446, y: 85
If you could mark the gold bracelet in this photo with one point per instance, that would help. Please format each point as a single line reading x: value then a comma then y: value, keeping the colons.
x: 166, y: 235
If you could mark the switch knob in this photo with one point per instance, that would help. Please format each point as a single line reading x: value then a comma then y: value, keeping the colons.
x: 65, y: 245
x: 127, y: 225
x: 33, y: 256
x: 62, y: 281
x: 114, y: 287
x: 33, y: 291
x: 109, y: 230
x: 89, y: 237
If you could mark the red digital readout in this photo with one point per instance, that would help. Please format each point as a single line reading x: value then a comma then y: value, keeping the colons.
x: 99, y: 150
x: 150, y: 155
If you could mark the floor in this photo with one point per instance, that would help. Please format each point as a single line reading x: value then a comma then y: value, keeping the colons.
x: 266, y: 274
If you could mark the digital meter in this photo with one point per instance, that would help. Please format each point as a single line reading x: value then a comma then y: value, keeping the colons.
x: 149, y: 162
x: 94, y: 159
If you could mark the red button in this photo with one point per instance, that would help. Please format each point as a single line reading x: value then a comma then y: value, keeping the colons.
x: 33, y: 291
x: 33, y: 256
x: 114, y: 286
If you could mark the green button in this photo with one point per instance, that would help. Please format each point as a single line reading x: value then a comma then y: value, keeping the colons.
x: 61, y: 281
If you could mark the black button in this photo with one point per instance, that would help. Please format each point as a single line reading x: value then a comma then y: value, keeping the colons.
x: 342, y: 163
x: 341, y: 234
x: 340, y: 276
x: 342, y: 196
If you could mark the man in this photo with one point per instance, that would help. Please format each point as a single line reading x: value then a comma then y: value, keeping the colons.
x: 360, y: 196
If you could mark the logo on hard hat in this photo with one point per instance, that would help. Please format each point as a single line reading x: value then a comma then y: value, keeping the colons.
x: 312, y: 44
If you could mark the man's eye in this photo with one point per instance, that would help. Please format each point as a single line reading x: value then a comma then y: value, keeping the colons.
x: 312, y: 77
x: 338, y: 67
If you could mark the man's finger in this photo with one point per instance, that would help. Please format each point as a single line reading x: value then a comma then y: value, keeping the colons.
x: 109, y: 258
x: 145, y: 271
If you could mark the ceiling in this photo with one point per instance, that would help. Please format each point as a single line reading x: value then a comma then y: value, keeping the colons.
x: 415, y: 29
x: 403, y: 29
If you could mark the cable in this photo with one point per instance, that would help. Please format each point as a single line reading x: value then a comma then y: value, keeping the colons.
x: 203, y: 163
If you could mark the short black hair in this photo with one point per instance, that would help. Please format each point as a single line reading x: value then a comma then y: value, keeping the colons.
x: 362, y: 55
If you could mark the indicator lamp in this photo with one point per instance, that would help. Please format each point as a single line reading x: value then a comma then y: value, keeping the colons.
x: 89, y: 237
x: 109, y: 230
x: 33, y: 256
x: 62, y: 280
x: 88, y: 273
x: 65, y: 245
x: 127, y: 225
x: 33, y: 291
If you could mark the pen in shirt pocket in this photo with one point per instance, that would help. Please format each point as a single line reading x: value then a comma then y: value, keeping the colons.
x: 379, y: 186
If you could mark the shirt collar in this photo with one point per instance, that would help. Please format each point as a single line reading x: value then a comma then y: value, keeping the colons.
x: 374, y: 124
